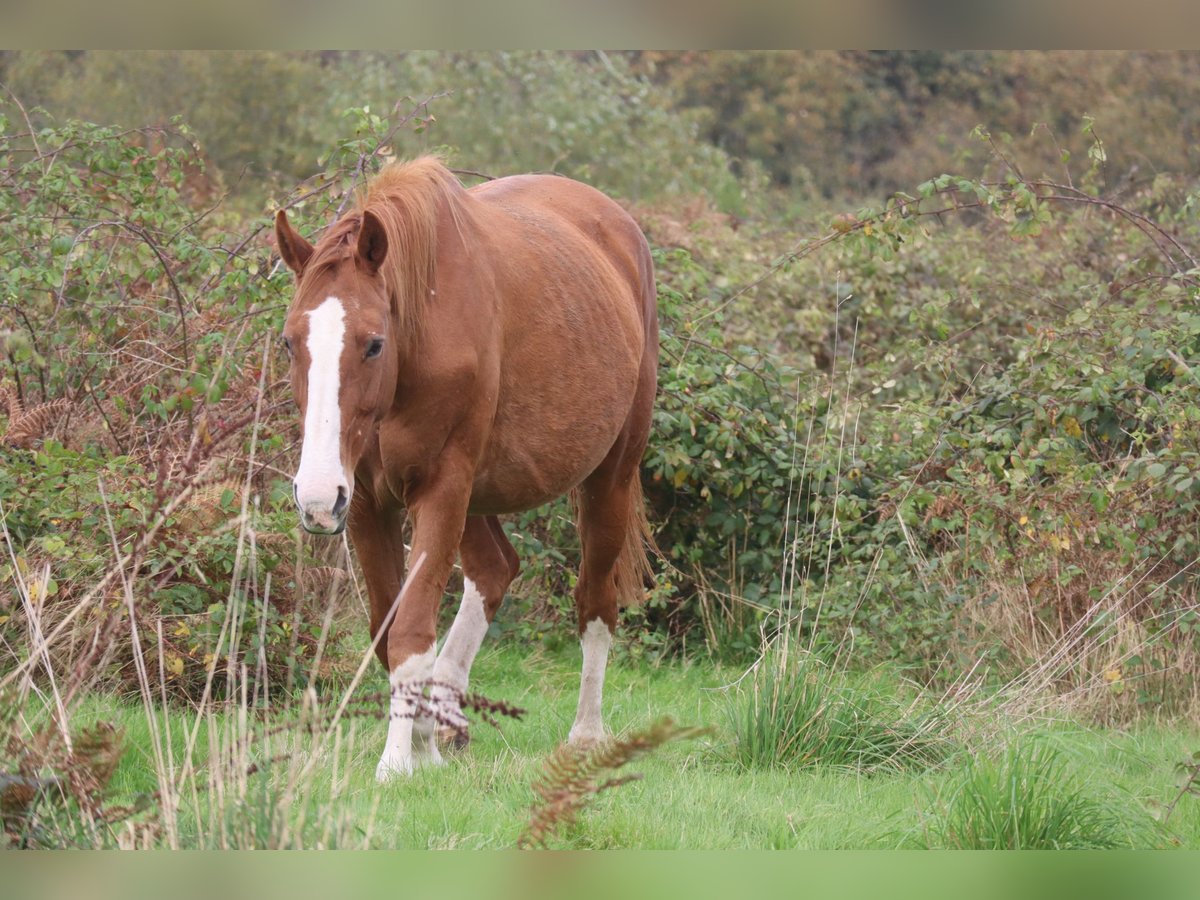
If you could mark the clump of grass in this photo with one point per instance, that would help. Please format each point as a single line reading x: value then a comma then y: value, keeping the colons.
x: 1026, y: 798
x: 800, y: 711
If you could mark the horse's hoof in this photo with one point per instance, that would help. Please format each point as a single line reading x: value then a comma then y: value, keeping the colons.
x: 454, y: 740
x: 393, y: 769
x: 582, y: 743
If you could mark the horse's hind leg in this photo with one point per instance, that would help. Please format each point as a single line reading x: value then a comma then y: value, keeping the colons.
x: 489, y: 565
x: 607, y: 512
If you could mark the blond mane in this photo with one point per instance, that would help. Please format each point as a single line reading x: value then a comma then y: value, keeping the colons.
x: 408, y: 198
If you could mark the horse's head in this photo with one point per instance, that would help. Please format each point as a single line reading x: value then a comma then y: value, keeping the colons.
x: 340, y: 338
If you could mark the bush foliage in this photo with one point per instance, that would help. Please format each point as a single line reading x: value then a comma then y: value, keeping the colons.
x: 134, y: 331
x: 956, y: 428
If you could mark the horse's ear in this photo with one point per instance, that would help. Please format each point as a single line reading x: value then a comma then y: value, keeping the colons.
x: 372, y: 241
x: 294, y: 249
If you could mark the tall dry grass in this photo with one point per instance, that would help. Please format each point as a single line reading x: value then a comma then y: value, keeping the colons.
x: 262, y: 761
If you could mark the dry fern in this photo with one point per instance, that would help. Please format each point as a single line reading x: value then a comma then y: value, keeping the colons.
x: 28, y: 425
x: 203, y: 512
x: 322, y: 582
x: 571, y: 777
x: 11, y: 401
x: 43, y: 765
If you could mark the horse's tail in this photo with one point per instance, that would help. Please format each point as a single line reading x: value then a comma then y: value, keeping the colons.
x: 633, y: 570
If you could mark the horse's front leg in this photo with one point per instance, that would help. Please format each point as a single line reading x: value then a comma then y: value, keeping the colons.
x: 438, y: 514
x: 377, y: 533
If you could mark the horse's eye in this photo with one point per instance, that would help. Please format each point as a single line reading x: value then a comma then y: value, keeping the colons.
x: 374, y: 348
x: 287, y: 345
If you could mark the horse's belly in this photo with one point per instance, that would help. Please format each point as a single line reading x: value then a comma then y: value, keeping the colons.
x: 535, y: 455
x: 497, y: 494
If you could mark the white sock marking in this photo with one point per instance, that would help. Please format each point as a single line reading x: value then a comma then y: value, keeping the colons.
x: 320, y: 472
x: 401, y: 754
x: 589, y: 723
x: 453, y: 664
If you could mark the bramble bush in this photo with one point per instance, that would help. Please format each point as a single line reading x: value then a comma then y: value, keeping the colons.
x: 140, y: 412
x: 994, y: 465
x: 1024, y: 398
x: 979, y: 448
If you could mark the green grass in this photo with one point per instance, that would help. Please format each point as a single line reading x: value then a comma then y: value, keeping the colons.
x: 798, y: 711
x: 695, y: 794
x: 1027, y: 798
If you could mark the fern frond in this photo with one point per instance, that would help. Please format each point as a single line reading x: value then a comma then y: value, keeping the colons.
x: 322, y: 581
x: 571, y: 777
x: 12, y: 402
x: 33, y: 423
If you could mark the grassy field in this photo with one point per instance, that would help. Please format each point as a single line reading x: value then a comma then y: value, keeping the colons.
x: 693, y: 794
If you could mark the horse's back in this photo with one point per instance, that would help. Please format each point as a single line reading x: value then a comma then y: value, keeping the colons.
x: 553, y: 210
x: 566, y: 198
x: 568, y: 260
x: 574, y: 285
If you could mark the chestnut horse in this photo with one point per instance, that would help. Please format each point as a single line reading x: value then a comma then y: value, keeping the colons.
x: 461, y: 354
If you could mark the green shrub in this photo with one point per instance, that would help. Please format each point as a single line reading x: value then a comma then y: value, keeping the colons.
x: 265, y: 118
x: 261, y: 110
x: 133, y: 331
x: 845, y: 122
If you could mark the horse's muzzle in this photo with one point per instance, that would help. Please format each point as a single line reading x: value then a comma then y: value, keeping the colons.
x: 318, y: 520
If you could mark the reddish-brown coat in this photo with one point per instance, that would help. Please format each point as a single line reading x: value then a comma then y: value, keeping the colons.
x: 520, y: 363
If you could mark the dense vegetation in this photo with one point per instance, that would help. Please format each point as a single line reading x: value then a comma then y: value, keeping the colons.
x: 943, y: 422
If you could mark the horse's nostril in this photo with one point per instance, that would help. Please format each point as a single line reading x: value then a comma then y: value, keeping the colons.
x: 340, y: 506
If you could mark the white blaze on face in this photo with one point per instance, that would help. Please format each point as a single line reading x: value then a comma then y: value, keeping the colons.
x: 321, y: 473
